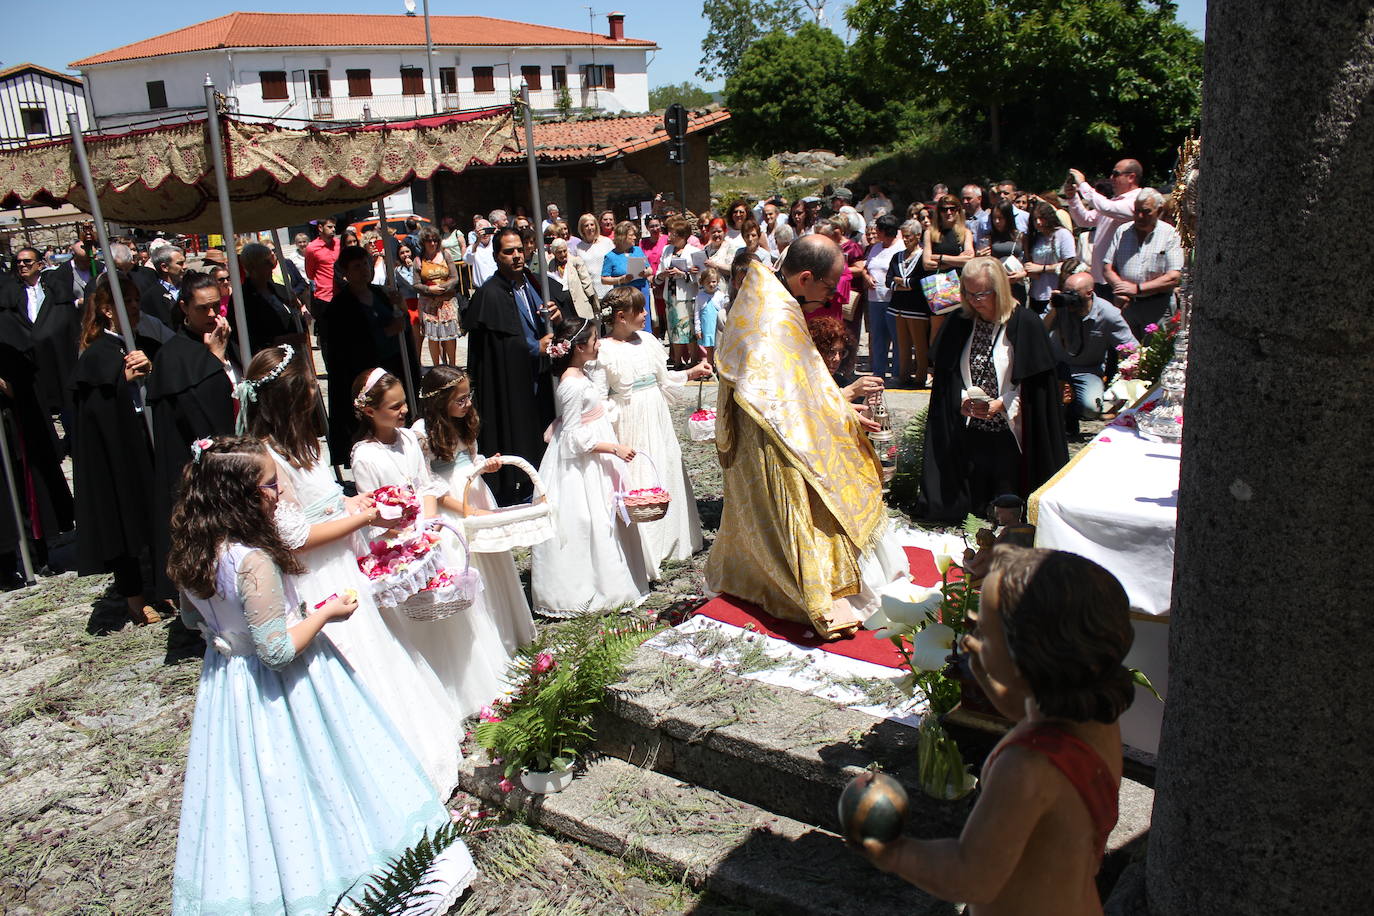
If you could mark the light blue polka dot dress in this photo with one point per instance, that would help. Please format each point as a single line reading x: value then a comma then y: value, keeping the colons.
x: 297, y: 785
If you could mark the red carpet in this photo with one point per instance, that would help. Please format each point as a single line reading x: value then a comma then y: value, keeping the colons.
x: 862, y: 646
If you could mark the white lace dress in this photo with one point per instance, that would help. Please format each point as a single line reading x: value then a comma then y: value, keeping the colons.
x: 504, y: 595
x: 395, y: 673
x: 298, y: 787
x: 464, y: 649
x: 640, y: 386
x: 596, y: 562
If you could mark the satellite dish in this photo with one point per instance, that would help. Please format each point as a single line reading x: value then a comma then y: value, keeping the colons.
x: 410, y: 7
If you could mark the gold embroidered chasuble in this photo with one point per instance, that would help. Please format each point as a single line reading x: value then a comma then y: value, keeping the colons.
x: 803, y: 486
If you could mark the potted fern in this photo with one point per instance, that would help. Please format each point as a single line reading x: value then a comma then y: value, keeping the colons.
x: 540, y: 728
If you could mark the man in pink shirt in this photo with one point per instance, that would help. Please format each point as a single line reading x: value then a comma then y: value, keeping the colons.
x: 320, y: 256
x: 1106, y: 215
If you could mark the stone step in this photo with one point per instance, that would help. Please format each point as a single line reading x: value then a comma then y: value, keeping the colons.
x: 785, y: 751
x: 749, y: 856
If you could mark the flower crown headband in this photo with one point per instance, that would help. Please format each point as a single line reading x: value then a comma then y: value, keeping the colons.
x: 373, y: 378
x: 444, y: 387
x: 246, y: 391
x: 561, y: 348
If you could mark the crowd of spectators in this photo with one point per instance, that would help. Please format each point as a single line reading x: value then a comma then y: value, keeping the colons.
x: 1094, y: 264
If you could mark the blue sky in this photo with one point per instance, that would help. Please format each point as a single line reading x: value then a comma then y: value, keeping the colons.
x: 88, y: 27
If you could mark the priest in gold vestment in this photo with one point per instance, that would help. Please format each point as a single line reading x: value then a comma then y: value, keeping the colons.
x: 803, y: 533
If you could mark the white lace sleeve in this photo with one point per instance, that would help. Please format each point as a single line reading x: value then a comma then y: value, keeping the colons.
x: 263, y: 594
x: 288, y: 516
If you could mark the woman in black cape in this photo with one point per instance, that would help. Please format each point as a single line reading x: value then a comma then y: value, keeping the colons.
x: 190, y: 393
x: 113, y: 462
x: 1012, y: 440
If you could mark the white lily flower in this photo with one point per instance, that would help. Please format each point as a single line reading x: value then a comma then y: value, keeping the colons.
x: 943, y: 562
x: 931, y: 646
x: 910, y: 604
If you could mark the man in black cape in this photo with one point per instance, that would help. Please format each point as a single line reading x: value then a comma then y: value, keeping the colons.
x: 190, y: 393
x: 45, y: 500
x: 1043, y: 450
x: 360, y: 329
x: 508, y: 342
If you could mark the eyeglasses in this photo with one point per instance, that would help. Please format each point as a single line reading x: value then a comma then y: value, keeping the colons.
x: 464, y: 400
x: 979, y: 297
x: 949, y: 209
x: 25, y: 261
x: 1117, y: 173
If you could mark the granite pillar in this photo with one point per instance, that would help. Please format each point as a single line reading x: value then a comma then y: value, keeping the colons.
x: 1263, y: 797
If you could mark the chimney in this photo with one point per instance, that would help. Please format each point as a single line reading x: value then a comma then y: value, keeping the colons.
x: 617, y: 23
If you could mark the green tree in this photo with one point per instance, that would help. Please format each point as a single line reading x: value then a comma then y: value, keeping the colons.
x: 734, y: 25
x: 688, y: 93
x: 1061, y: 77
x: 806, y: 90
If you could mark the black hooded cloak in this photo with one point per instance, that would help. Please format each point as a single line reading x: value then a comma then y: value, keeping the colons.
x: 191, y: 397
x: 112, y: 466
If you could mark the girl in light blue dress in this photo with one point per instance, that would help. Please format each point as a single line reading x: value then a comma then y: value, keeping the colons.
x: 298, y: 788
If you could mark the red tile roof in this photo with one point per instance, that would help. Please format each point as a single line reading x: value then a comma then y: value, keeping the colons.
x: 338, y: 30
x: 601, y: 139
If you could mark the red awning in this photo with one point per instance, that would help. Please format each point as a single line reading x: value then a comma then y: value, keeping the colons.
x: 163, y: 177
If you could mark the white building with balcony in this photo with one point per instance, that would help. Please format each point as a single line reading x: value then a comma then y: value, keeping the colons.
x: 338, y: 67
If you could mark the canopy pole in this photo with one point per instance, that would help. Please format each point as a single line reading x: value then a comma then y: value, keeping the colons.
x: 226, y: 220
x: 83, y: 164
x: 538, y: 217
x: 19, y: 526
x: 412, y: 392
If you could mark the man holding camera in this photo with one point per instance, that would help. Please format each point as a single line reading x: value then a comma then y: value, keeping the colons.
x: 1086, y: 330
x: 1102, y: 214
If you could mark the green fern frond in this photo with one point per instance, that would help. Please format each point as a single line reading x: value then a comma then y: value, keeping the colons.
x: 392, y: 890
x: 972, y: 525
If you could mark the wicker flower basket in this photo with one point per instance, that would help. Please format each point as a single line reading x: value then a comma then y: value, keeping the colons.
x: 449, y: 592
x: 510, y: 526
x: 645, y: 505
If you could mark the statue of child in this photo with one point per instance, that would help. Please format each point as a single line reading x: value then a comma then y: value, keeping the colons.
x: 1047, y: 647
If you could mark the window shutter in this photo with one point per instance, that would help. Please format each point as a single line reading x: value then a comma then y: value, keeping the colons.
x: 610, y: 76
x: 273, y: 84
x: 412, y: 81
x: 483, y: 79
x: 359, y: 84
x: 531, y: 77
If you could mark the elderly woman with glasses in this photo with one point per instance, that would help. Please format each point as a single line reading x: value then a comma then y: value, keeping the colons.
x: 995, y: 423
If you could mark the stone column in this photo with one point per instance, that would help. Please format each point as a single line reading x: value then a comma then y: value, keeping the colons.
x: 1264, y: 786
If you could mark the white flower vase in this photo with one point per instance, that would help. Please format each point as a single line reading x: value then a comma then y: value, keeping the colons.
x: 546, y: 783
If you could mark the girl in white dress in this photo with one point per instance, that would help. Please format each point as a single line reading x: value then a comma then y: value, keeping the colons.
x: 448, y: 434
x: 464, y: 649
x: 640, y: 387
x: 279, y: 395
x: 298, y: 787
x: 596, y: 563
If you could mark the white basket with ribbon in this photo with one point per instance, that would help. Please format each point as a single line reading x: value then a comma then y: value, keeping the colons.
x: 450, y: 591
x: 701, y: 426
x: 509, y: 526
x: 643, y: 505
